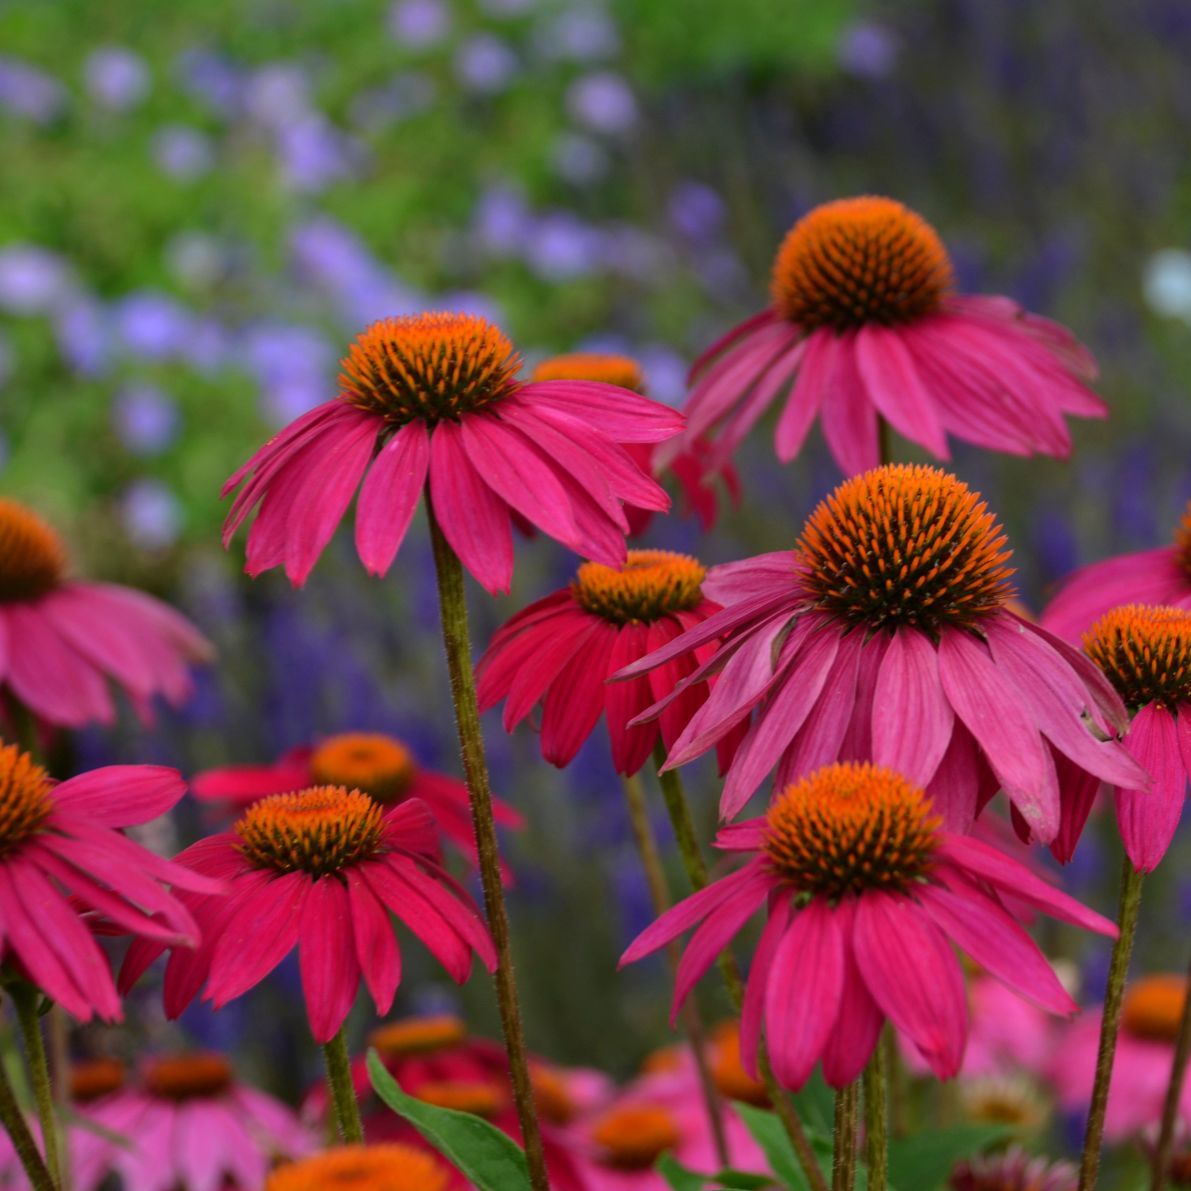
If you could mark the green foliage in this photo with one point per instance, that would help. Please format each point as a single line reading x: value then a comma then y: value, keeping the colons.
x: 924, y: 1161
x: 682, y: 1179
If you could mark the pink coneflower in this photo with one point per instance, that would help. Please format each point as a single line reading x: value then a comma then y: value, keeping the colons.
x: 391, y: 1167
x: 63, y: 640
x: 1145, y: 652
x: 560, y: 651
x: 863, y: 325
x: 865, y: 896
x: 434, y: 399
x: 1160, y: 576
x: 63, y: 860
x: 885, y: 635
x: 186, y: 1122
x: 380, y: 765
x: 1013, y: 1170
x: 691, y: 467
x: 320, y: 870
x: 1150, y: 1017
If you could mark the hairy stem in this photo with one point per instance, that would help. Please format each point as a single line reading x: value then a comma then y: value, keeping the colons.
x: 26, y: 999
x: 876, y: 1120
x: 14, y: 1124
x: 843, y: 1162
x: 1089, y: 1167
x: 1174, y: 1095
x: 343, y: 1092
x: 457, y: 643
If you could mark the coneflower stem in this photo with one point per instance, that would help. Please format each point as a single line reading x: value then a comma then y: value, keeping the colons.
x: 659, y: 893
x: 843, y: 1161
x: 1110, y: 1024
x: 26, y: 998
x: 696, y: 871
x: 13, y: 1121
x: 457, y: 643
x: 876, y: 1119
x: 1174, y: 1095
x: 343, y: 1091
x: 896, y: 1076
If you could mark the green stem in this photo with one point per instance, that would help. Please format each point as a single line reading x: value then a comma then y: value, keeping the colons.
x: 343, y: 1091
x: 58, y: 1031
x: 696, y: 870
x: 659, y: 892
x: 1174, y: 1095
x: 843, y: 1161
x: 26, y: 999
x: 896, y: 1075
x: 13, y: 1121
x: 457, y: 643
x: 1110, y: 1024
x: 876, y: 1120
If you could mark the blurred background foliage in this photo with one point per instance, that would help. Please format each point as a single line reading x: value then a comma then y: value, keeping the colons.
x: 203, y: 200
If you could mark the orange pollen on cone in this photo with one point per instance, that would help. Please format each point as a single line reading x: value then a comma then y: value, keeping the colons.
x: 390, y: 1167
x: 25, y: 800
x: 650, y: 585
x: 317, y: 831
x: 635, y: 1136
x: 187, y: 1077
x: 1182, y: 542
x: 622, y: 371
x: 480, y: 1098
x: 727, y: 1068
x: 906, y: 545
x: 370, y: 761
x: 1153, y: 1007
x: 851, y: 827
x: 860, y: 260
x: 428, y: 367
x: 1145, y: 652
x: 418, y: 1035
x: 32, y: 557
x: 95, y: 1078
x: 554, y: 1102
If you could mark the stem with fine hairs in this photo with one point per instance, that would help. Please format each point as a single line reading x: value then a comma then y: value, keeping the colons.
x: 1174, y: 1095
x: 876, y: 1119
x: 456, y: 637
x: 843, y: 1162
x: 13, y: 1120
x: 696, y: 871
x: 655, y: 876
x: 343, y: 1092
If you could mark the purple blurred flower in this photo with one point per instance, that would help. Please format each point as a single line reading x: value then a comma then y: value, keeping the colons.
x: 578, y: 35
x: 314, y: 153
x: 206, y: 345
x: 502, y: 221
x: 602, y: 102
x: 665, y: 372
x: 146, y: 419
x: 696, y: 211
x: 150, y: 324
x: 84, y: 336
x: 183, y: 152
x: 329, y: 254
x: 29, y: 92
x: 151, y: 514
x: 579, y: 159
x: 868, y: 49
x: 419, y: 24
x: 407, y: 94
x: 211, y: 79
x: 634, y: 252
x: 116, y: 77
x: 33, y: 280
x: 562, y: 246
x: 485, y: 64
x: 278, y: 95
x: 294, y: 366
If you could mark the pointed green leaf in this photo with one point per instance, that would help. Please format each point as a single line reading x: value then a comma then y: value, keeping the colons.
x: 769, y: 1133
x: 925, y: 1161
x: 486, y: 1156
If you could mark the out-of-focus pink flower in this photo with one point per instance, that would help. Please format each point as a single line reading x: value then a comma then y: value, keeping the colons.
x: 865, y: 898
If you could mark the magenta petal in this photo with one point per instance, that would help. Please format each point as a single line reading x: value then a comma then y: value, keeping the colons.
x: 327, y: 957
x: 911, y: 720
x: 847, y: 415
x: 1148, y: 819
x: 624, y: 700
x: 376, y: 944
x: 858, y: 1027
x: 821, y: 735
x: 913, y: 975
x: 51, y: 677
x: 575, y: 700
x: 753, y: 1011
x: 896, y: 389
x: 812, y: 385
x: 803, y: 997
x: 121, y: 795
x: 390, y: 495
x: 991, y: 936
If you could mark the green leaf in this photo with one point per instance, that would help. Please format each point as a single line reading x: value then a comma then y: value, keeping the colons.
x: 769, y: 1133
x: 681, y: 1178
x: 925, y: 1161
x: 486, y: 1156
x: 677, y: 1176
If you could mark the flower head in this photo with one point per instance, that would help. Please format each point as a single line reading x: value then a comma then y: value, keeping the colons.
x: 381, y: 766
x: 887, y: 634
x: 66, y: 639
x: 320, y: 869
x: 560, y: 650
x: 1161, y: 576
x: 865, y: 896
x: 864, y: 325
x: 64, y: 865
x: 1145, y: 652
x: 390, y: 1167
x: 1013, y: 1170
x: 689, y: 466
x: 432, y: 401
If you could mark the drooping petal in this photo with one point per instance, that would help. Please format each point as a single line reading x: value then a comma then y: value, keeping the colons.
x: 1149, y: 818
x: 847, y: 414
x: 575, y: 700
x: 121, y: 795
x: 752, y: 1013
x: 376, y: 945
x: 858, y: 1027
x: 390, y: 495
x: 327, y: 957
x: 812, y: 385
x: 895, y: 388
